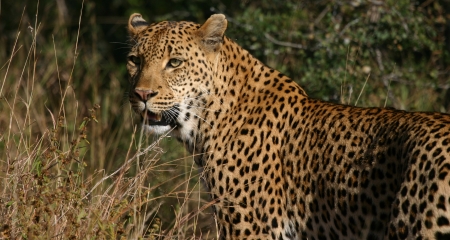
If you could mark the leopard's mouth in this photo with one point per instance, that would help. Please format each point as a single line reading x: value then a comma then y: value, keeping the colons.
x: 155, y: 119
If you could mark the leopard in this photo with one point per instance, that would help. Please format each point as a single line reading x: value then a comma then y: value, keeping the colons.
x: 277, y: 163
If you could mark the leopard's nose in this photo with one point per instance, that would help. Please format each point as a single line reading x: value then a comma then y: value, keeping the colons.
x: 144, y: 95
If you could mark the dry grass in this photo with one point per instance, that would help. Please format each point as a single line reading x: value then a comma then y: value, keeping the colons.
x: 70, y: 168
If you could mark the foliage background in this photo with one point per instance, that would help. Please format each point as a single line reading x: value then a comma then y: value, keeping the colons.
x: 60, y: 58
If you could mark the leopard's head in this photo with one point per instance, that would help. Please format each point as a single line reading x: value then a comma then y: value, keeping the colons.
x: 172, y: 67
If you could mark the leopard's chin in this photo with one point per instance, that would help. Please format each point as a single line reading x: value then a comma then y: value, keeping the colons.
x: 157, y: 129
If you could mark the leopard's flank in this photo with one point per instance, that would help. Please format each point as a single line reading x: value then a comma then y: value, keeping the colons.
x: 282, y: 165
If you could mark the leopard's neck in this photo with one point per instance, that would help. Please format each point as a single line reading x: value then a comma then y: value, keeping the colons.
x: 238, y: 79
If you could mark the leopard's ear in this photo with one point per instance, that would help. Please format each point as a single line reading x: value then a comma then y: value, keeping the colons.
x: 136, y: 24
x: 211, y: 33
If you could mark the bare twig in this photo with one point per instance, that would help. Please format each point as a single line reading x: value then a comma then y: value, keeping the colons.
x: 379, y: 60
x: 377, y: 2
x: 321, y: 15
x: 282, y: 43
x: 348, y: 25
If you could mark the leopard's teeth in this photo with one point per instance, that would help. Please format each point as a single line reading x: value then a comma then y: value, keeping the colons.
x: 158, y: 117
x: 150, y: 116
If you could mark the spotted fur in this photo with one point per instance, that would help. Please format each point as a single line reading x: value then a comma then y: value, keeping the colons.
x: 282, y: 165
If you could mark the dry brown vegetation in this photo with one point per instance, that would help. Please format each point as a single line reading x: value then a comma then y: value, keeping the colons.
x: 67, y: 170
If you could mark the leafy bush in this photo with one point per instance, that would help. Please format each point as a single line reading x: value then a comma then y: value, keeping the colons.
x: 331, y: 47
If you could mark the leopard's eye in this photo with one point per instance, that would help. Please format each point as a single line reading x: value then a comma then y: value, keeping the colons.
x: 174, y: 62
x: 134, y: 59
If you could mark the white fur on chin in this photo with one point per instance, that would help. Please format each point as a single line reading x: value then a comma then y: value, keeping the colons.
x: 158, y: 130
